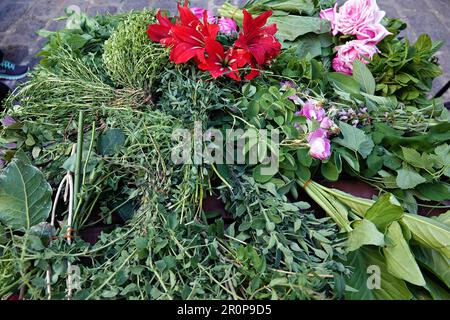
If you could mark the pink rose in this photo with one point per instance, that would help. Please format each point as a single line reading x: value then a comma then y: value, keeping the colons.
x: 357, y: 17
x: 331, y: 15
x: 312, y: 111
x: 319, y: 144
x: 373, y: 34
x: 356, y: 14
x: 347, y: 53
x: 326, y: 123
x: 198, y: 12
x: 227, y: 25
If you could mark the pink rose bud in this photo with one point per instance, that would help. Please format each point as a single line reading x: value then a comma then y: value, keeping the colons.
x: 311, y: 110
x: 332, y: 16
x: 326, y: 123
x: 319, y: 144
x: 8, y: 121
x: 347, y: 53
x: 227, y: 25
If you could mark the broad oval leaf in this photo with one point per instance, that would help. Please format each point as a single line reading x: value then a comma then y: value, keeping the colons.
x: 364, y: 77
x: 429, y: 232
x: 364, y: 233
x: 399, y: 259
x: 25, y: 196
x: 390, y: 287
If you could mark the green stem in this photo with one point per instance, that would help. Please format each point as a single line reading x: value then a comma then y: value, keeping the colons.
x: 79, y: 158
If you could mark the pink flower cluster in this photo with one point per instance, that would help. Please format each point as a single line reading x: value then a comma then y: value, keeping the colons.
x: 318, y: 140
x: 226, y: 25
x: 362, y: 19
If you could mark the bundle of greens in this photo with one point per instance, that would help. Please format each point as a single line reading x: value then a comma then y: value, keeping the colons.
x: 103, y: 112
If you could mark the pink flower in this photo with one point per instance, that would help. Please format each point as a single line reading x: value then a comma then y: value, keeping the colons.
x: 357, y: 17
x: 373, y: 34
x: 227, y: 25
x: 347, y: 53
x: 326, y: 123
x: 198, y: 12
x: 8, y: 121
x: 313, y: 111
x: 356, y: 14
x: 331, y: 15
x: 319, y: 144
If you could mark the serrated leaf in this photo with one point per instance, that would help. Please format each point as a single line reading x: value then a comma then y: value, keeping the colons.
x: 355, y: 139
x: 408, y: 178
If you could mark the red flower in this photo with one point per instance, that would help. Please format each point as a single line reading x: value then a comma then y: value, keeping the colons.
x: 259, y: 39
x: 160, y: 32
x: 220, y: 62
x: 190, y: 37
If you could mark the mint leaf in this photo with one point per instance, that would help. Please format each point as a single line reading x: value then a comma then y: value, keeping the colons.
x: 407, y: 178
x: 355, y: 139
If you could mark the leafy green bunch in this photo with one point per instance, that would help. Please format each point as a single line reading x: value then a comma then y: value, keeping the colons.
x: 130, y: 59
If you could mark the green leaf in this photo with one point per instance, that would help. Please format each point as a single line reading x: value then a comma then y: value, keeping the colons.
x: 429, y: 232
x: 344, y: 82
x: 364, y: 233
x: 25, y: 196
x: 423, y: 43
x: 384, y: 212
x: 434, y: 262
x: 399, y: 259
x: 259, y: 177
x: 437, y: 290
x: 364, y: 77
x: 330, y: 171
x: 408, y: 178
x: 291, y: 27
x: 349, y: 157
x: 391, y: 288
x: 110, y: 142
x: 435, y: 191
x: 416, y: 159
x: 355, y: 139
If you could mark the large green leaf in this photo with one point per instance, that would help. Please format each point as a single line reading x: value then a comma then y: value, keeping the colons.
x: 25, y: 196
x: 364, y: 77
x: 434, y: 262
x: 364, y: 233
x: 429, y: 232
x: 436, y: 289
x: 391, y: 288
x: 399, y: 259
x: 291, y: 27
x: 384, y: 212
x: 355, y: 139
x: 344, y: 82
x: 111, y: 141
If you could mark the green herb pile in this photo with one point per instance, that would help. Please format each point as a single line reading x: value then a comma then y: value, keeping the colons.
x: 146, y: 228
